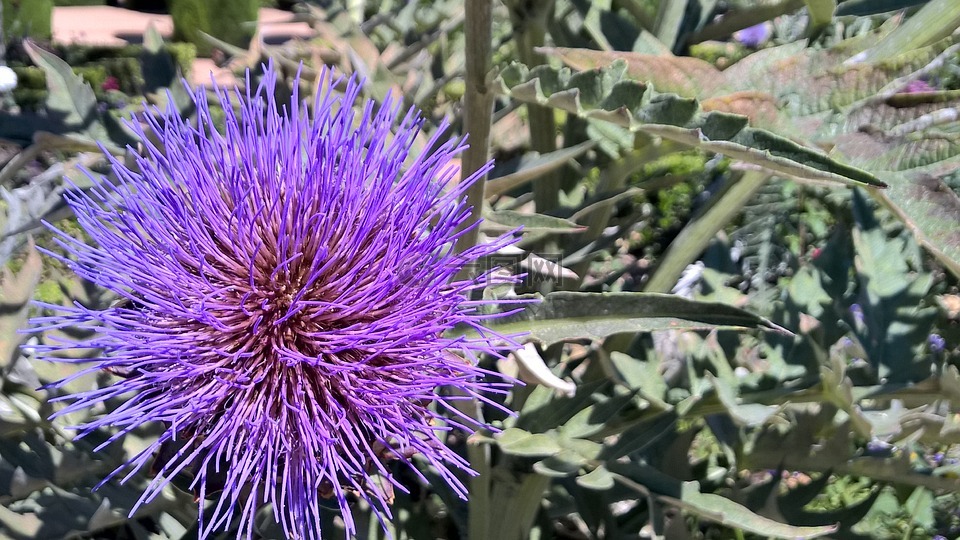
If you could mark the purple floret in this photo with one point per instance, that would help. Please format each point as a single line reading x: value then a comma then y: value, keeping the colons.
x: 754, y: 36
x: 290, y: 284
x: 918, y: 86
x: 936, y: 342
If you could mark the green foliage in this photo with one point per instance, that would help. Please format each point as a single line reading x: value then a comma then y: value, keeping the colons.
x: 94, y: 76
x: 71, y: 103
x: 182, y: 53
x: 27, y: 18
x: 608, y: 95
x: 130, y: 66
x: 79, y: 2
x: 31, y: 87
x: 232, y: 21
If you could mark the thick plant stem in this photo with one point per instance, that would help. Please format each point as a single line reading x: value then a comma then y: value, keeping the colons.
x: 477, y: 118
x: 478, y: 108
x: 529, y: 21
x: 669, y: 18
x: 515, y: 504
x: 479, y: 520
x: 693, y: 239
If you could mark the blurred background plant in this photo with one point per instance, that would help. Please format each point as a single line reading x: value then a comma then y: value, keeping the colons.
x: 741, y: 217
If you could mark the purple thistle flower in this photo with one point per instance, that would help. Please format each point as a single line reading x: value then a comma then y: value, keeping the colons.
x: 289, y: 286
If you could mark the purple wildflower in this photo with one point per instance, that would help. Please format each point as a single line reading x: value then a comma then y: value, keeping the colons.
x: 754, y: 36
x: 857, y: 313
x: 289, y: 289
x: 918, y: 86
x: 936, y: 342
x: 878, y: 447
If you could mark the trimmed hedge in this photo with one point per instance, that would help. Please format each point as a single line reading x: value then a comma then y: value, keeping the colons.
x: 96, y: 65
x: 27, y: 18
x: 228, y: 20
x: 69, y: 3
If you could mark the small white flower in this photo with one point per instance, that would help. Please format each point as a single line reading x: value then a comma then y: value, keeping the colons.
x: 8, y: 79
x: 688, y: 280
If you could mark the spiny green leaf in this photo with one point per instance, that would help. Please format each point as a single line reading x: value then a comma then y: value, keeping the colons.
x: 563, y: 315
x: 591, y: 420
x: 822, y: 81
x: 913, y: 167
x: 640, y: 436
x: 896, y: 321
x: 727, y: 512
x: 606, y: 94
x: 545, y: 410
x: 69, y: 95
x: 72, y: 103
x: 800, y: 82
x: 744, y: 414
x: 642, y: 375
x: 920, y: 110
x: 507, y: 220
x: 931, y: 210
x: 682, y: 75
